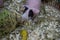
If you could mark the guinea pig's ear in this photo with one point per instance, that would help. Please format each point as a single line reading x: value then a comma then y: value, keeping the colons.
x: 31, y: 14
x: 26, y: 8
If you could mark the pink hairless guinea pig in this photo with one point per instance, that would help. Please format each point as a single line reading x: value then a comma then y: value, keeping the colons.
x: 32, y: 8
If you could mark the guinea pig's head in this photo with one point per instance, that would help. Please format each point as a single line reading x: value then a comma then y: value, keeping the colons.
x: 29, y: 13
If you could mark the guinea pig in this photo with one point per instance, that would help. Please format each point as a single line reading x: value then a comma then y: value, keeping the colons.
x: 32, y: 9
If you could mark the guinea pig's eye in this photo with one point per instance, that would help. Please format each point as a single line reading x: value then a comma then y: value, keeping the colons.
x: 31, y: 14
x: 26, y: 8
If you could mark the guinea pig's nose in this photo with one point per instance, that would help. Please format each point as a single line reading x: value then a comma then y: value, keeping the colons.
x: 31, y: 14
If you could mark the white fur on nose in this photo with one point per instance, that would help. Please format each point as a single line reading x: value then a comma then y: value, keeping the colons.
x: 25, y: 15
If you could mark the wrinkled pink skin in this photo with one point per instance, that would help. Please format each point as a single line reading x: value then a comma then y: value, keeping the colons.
x: 34, y: 5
